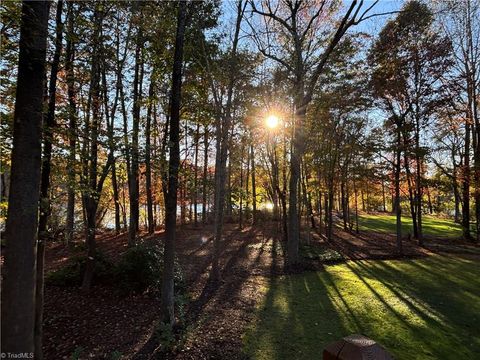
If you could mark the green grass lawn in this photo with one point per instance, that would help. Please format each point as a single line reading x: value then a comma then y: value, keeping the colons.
x: 417, y: 309
x: 432, y: 226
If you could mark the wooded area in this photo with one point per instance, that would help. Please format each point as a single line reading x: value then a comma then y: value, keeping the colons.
x: 177, y: 170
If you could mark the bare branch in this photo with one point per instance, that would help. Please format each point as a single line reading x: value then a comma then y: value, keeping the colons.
x: 271, y: 15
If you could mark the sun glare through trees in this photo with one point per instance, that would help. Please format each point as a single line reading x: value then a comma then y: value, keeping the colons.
x: 240, y: 179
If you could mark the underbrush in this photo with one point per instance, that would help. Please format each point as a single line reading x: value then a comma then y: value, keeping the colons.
x: 72, y: 273
x: 320, y: 253
x: 139, y: 269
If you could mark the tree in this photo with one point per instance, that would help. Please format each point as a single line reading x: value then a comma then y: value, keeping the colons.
x: 92, y: 178
x: 133, y: 177
x: 421, y: 58
x: 167, y: 300
x: 45, y: 182
x: 303, y: 51
x: 72, y: 124
x: 18, y: 297
x: 463, y: 30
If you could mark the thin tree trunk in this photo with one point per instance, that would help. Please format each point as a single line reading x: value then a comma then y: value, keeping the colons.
x: 148, y: 167
x: 195, y: 177
x: 45, y: 208
x: 356, y: 205
x: 398, y: 209
x: 383, y: 195
x: 240, y: 209
x: 95, y: 185
x: 167, y: 311
x: 222, y: 135
x: 72, y: 118
x: 330, y: 211
x: 134, y: 173
x: 411, y: 198
x: 205, y: 174
x: 466, y: 186
x: 254, y: 188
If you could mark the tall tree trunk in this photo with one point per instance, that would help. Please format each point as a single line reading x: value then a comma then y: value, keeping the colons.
x: 45, y: 208
x: 384, y: 202
x: 329, y: 211
x: 418, y: 181
x: 472, y: 63
x: 240, y: 209
x: 18, y: 285
x: 167, y: 311
x: 344, y: 203
x: 254, y: 187
x: 134, y: 174
x: 195, y: 177
x: 295, y: 160
x: 94, y: 184
x: 205, y: 174
x: 222, y: 135
x: 456, y: 192
x: 466, y: 185
x: 411, y: 197
x: 429, y: 199
x: 72, y: 123
x: 247, y: 188
x: 398, y: 208
x: 356, y: 205
x: 110, y: 119
x: 148, y: 167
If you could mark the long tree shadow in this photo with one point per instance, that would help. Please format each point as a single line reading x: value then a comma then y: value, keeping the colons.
x: 408, y: 310
x: 243, y: 256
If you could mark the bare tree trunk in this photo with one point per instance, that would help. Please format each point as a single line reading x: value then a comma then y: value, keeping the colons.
x: 356, y: 205
x: 195, y: 177
x: 45, y: 208
x: 148, y: 168
x: 72, y: 118
x: 240, y: 210
x: 466, y: 185
x: 344, y: 203
x: 398, y: 209
x: 384, y: 202
x: 205, y: 174
x: 222, y: 136
x: 254, y: 188
x: 18, y: 285
x: 329, y: 211
x: 95, y: 184
x: 167, y: 311
x: 134, y: 174
x: 295, y: 160
x: 411, y: 198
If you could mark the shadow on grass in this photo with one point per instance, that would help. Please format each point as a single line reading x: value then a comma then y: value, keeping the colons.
x: 432, y: 226
x: 417, y: 309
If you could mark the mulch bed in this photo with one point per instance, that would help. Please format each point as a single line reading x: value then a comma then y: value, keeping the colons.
x: 104, y: 324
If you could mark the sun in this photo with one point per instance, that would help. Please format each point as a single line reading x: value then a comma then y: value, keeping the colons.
x: 272, y: 121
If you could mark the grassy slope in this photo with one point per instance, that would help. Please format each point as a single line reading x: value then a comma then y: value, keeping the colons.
x: 435, y: 227
x: 417, y: 309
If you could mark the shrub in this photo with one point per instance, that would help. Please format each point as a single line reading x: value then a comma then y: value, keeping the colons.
x: 141, y: 268
x: 72, y: 273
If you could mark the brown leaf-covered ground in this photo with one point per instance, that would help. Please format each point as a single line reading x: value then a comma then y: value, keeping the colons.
x: 105, y: 324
